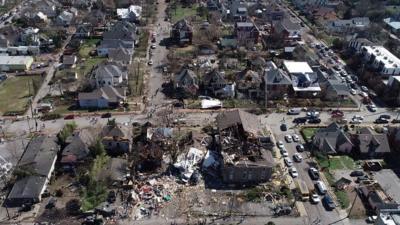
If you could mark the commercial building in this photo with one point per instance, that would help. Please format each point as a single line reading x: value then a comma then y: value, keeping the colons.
x: 15, y: 63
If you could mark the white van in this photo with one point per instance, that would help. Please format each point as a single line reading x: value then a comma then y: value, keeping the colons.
x: 321, y: 187
x: 294, y: 111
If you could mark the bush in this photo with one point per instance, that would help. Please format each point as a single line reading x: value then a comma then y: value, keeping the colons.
x: 73, y: 207
x: 52, y: 116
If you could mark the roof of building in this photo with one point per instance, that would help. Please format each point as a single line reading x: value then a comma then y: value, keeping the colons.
x: 383, y: 55
x: 120, y: 55
x: 288, y: 24
x: 182, y: 25
x: 39, y: 155
x: 338, y: 87
x: 15, y: 60
x: 66, y: 16
x: 27, y: 187
x: 185, y: 74
x: 122, y: 30
x: 331, y: 137
x: 393, y: 23
x: 248, y: 121
x: 276, y: 77
x: 69, y: 59
x: 79, y: 143
x: 109, y: 70
x: 305, y: 82
x: 132, y: 10
x: 109, y: 93
x: 369, y: 141
x: 213, y: 76
x: 118, y: 130
x: 297, y: 67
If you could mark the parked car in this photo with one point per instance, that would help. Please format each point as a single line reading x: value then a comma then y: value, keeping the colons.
x: 381, y: 121
x: 153, y: 46
x: 337, y: 113
x: 288, y: 138
x: 314, y: 121
x: 363, y: 88
x: 358, y: 117
x: 69, y: 117
x: 314, y: 174
x: 355, y: 121
x: 353, y: 91
x: 321, y: 188
x: 106, y: 115
x: 280, y: 144
x: 313, y: 114
x: 357, y: 173
x: 372, y: 107
x: 284, y: 152
x: 300, y: 148
x: 385, y: 116
x: 293, y: 172
x: 288, y: 161
x: 294, y: 111
x: 300, y: 120
x: 328, y: 202
x: 295, y: 138
x: 371, y: 219
x: 315, y: 198
x: 362, y: 178
x: 283, y: 127
x: 150, y: 62
x: 297, y: 157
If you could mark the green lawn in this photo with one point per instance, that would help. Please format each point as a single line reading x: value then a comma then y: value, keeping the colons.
x: 87, y: 47
x: 337, y: 162
x: 140, y: 51
x: 342, y: 198
x: 15, y: 92
x: 85, y: 67
x: 182, y: 13
x: 308, y: 133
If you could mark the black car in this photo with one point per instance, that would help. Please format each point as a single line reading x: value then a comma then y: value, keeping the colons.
x: 314, y: 174
x: 300, y: 120
x: 381, y: 121
x: 385, y: 116
x: 106, y: 115
x: 357, y: 173
x: 283, y: 127
x: 328, y: 202
x: 314, y: 121
x: 353, y: 85
x: 300, y: 148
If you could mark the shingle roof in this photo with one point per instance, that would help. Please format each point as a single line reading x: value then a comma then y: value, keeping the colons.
x: 109, y: 93
x: 369, y: 141
x: 276, y: 77
x: 331, y: 137
x: 116, y: 131
x: 213, y: 76
x: 39, y: 155
x: 27, y: 187
x: 109, y: 70
x: 79, y: 143
x: 249, y: 122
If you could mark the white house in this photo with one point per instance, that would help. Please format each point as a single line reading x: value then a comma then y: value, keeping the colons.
x: 109, y: 74
x: 381, y: 59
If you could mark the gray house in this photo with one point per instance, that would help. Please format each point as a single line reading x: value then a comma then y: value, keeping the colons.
x: 117, y: 139
x: 109, y: 74
x: 38, y: 161
x: 77, y: 148
x: 186, y: 82
x: 276, y: 83
x: 332, y: 139
x: 101, y: 98
x: 370, y: 144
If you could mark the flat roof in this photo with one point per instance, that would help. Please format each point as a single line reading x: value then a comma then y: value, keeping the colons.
x: 14, y: 60
x: 383, y: 55
x: 297, y: 67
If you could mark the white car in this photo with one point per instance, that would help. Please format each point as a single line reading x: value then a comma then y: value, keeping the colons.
x: 288, y: 138
x: 363, y: 88
x: 358, y: 117
x: 315, y: 198
x: 288, y: 161
x: 150, y: 62
x: 355, y: 121
x: 293, y: 172
x: 364, y: 94
x: 280, y: 145
x: 372, y: 108
x: 153, y: 46
x: 353, y: 91
x: 297, y: 157
x: 295, y: 138
x: 284, y: 152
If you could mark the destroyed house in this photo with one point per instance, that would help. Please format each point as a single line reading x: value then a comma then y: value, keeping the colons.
x: 244, y: 158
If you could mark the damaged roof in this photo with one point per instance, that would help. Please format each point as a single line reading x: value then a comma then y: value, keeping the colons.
x: 248, y: 121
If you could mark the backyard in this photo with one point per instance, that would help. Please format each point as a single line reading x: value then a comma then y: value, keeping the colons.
x: 308, y: 133
x: 180, y: 12
x: 15, y: 93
